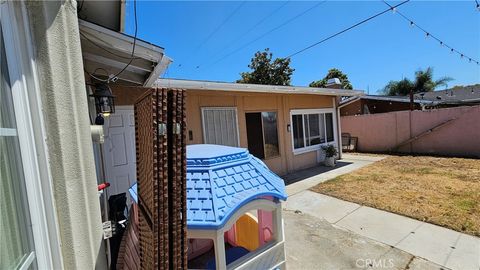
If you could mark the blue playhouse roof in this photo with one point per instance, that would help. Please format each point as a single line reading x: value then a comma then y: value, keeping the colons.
x: 221, y: 179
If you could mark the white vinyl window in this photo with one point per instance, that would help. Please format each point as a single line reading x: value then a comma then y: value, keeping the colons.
x: 26, y: 240
x: 220, y: 126
x: 311, y: 129
x: 16, y: 236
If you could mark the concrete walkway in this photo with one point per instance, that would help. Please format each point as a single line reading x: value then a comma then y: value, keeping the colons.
x: 308, y: 178
x: 314, y: 243
x: 442, y: 246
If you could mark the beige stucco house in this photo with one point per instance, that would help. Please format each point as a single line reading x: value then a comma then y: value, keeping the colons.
x: 285, y: 126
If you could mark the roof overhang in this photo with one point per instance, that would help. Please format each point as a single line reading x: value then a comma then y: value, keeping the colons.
x: 253, y: 88
x: 106, y: 51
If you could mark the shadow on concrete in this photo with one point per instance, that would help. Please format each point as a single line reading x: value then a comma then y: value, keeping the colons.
x: 307, y: 173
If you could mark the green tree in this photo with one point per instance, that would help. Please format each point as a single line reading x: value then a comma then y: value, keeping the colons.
x: 423, y: 82
x: 267, y: 71
x: 333, y: 73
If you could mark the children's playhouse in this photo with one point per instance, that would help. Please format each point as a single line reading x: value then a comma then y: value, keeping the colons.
x: 234, y: 213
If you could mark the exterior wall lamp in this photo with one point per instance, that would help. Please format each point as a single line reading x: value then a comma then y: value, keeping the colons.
x: 104, y: 100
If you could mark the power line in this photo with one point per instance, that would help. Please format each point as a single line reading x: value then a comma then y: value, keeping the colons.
x: 134, y: 40
x: 266, y: 33
x: 220, y: 25
x: 428, y: 34
x: 345, y: 30
x: 252, y: 28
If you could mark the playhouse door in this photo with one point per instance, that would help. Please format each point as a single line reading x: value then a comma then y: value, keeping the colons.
x: 119, y: 150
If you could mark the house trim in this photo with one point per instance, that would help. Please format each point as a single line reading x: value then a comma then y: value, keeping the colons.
x: 255, y: 88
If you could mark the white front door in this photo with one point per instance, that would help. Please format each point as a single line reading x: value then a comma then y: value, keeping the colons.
x: 119, y: 150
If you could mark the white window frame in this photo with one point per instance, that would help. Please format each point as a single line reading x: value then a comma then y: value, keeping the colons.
x: 316, y: 147
x: 31, y: 135
x: 219, y: 109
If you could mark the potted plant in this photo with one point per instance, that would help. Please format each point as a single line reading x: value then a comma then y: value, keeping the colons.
x: 330, y: 153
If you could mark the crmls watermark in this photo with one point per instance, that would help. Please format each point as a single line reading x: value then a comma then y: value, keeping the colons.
x: 375, y: 263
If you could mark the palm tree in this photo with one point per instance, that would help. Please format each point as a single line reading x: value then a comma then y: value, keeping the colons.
x: 423, y: 83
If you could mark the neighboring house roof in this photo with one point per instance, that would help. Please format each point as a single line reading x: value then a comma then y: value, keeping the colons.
x: 465, y: 94
x: 221, y: 179
x: 402, y: 99
x: 259, y: 88
x: 106, y: 49
x: 456, y: 95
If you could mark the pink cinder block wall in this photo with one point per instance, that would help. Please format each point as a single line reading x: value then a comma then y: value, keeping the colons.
x: 382, y: 132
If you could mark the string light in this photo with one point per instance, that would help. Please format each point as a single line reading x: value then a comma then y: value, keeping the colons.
x: 428, y: 34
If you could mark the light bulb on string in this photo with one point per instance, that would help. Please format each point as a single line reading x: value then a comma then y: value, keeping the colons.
x: 412, y: 24
x: 427, y: 35
x: 441, y: 43
x: 461, y: 55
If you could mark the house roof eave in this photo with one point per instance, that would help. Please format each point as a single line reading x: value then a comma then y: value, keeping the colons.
x: 253, y: 88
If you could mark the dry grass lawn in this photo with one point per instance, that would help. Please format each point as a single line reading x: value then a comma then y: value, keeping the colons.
x: 443, y: 191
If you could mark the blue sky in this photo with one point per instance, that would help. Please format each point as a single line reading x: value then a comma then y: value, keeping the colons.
x: 196, y: 35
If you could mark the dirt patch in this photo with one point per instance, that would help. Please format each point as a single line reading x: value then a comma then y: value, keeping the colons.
x: 443, y: 191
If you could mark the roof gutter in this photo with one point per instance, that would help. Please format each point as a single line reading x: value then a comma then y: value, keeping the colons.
x: 253, y: 88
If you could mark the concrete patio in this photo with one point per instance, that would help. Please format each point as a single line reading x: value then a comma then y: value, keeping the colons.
x: 314, y: 243
x: 334, y: 234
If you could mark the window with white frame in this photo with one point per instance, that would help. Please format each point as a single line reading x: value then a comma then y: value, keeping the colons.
x: 27, y: 242
x: 312, y: 128
x: 17, y: 249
